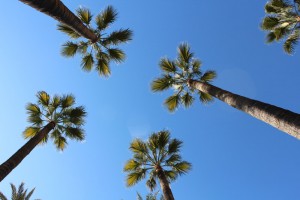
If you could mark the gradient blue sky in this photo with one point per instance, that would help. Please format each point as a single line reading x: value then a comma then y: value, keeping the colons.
x: 234, y: 156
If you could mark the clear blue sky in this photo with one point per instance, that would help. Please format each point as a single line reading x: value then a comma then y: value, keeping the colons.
x: 234, y: 156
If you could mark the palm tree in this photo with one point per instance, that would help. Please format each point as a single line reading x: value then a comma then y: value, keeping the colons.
x: 160, y: 157
x: 150, y: 196
x: 18, y: 194
x: 104, y: 50
x: 54, y: 117
x: 282, y: 23
x: 184, y: 75
x: 57, y: 10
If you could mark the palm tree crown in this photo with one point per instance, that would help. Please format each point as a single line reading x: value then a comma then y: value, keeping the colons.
x: 158, y: 154
x: 104, y: 50
x: 282, y: 23
x: 150, y: 196
x: 177, y: 73
x: 61, y: 111
x: 18, y: 194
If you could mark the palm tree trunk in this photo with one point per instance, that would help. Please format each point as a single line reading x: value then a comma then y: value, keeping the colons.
x: 16, y: 159
x: 280, y: 118
x: 57, y: 10
x: 164, y: 184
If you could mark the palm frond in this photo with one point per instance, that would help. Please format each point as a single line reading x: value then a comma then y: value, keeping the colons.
x: 134, y: 177
x: 182, y: 167
x: 30, y: 132
x: 139, y: 197
x: 172, y: 102
x: 33, y: 109
x: 69, y: 49
x: 103, y: 68
x: 60, y: 143
x: 174, y: 146
x: 161, y: 84
x: 75, y: 133
x: 270, y: 37
x: 167, y: 65
x: 187, y: 99
x: 174, y: 158
x: 2, y: 196
x: 67, y: 101
x: 43, y: 98
x: 84, y: 15
x: 205, y: 98
x: 279, y: 3
x: 138, y: 146
x: 87, y: 62
x: 69, y: 31
x: 29, y: 194
x: 196, y: 65
x: 184, y: 53
x: 106, y: 17
x: 76, y: 116
x: 131, y: 165
x: 208, y: 76
x: 163, y: 139
x: 117, y: 37
x: 269, y: 23
x: 280, y: 32
x: 116, y: 54
x: 171, y: 175
x: 290, y: 44
x: 151, y: 182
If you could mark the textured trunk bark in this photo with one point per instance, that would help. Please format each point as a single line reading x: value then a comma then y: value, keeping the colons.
x: 164, y: 184
x: 16, y: 159
x: 57, y: 10
x: 280, y: 118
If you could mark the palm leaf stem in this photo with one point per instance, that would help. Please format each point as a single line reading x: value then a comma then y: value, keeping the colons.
x: 282, y: 119
x: 15, y: 159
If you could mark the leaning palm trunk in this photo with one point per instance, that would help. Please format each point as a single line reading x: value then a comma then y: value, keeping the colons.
x: 282, y: 119
x: 16, y: 159
x: 164, y: 184
x: 57, y: 10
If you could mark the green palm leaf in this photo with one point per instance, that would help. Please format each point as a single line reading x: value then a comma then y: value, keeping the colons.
x: 84, y: 15
x: 184, y: 53
x: 269, y: 23
x: 172, y: 102
x: 87, y: 62
x: 103, y: 68
x: 131, y: 165
x: 75, y: 133
x: 30, y: 132
x: 187, y: 99
x: 163, y: 83
x: 208, y: 76
x: 182, y: 167
x: 106, y: 17
x: 174, y: 146
x: 69, y: 49
x: 43, y: 98
x: 167, y: 65
x: 117, y: 37
x: 69, y: 31
x: 291, y: 42
x: 67, y: 101
x: 116, y: 54
x: 134, y: 177
x: 60, y: 143
x: 205, y: 98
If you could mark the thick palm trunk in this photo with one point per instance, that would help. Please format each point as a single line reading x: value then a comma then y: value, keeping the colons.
x: 16, y: 159
x: 282, y: 119
x: 164, y: 184
x: 57, y: 10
